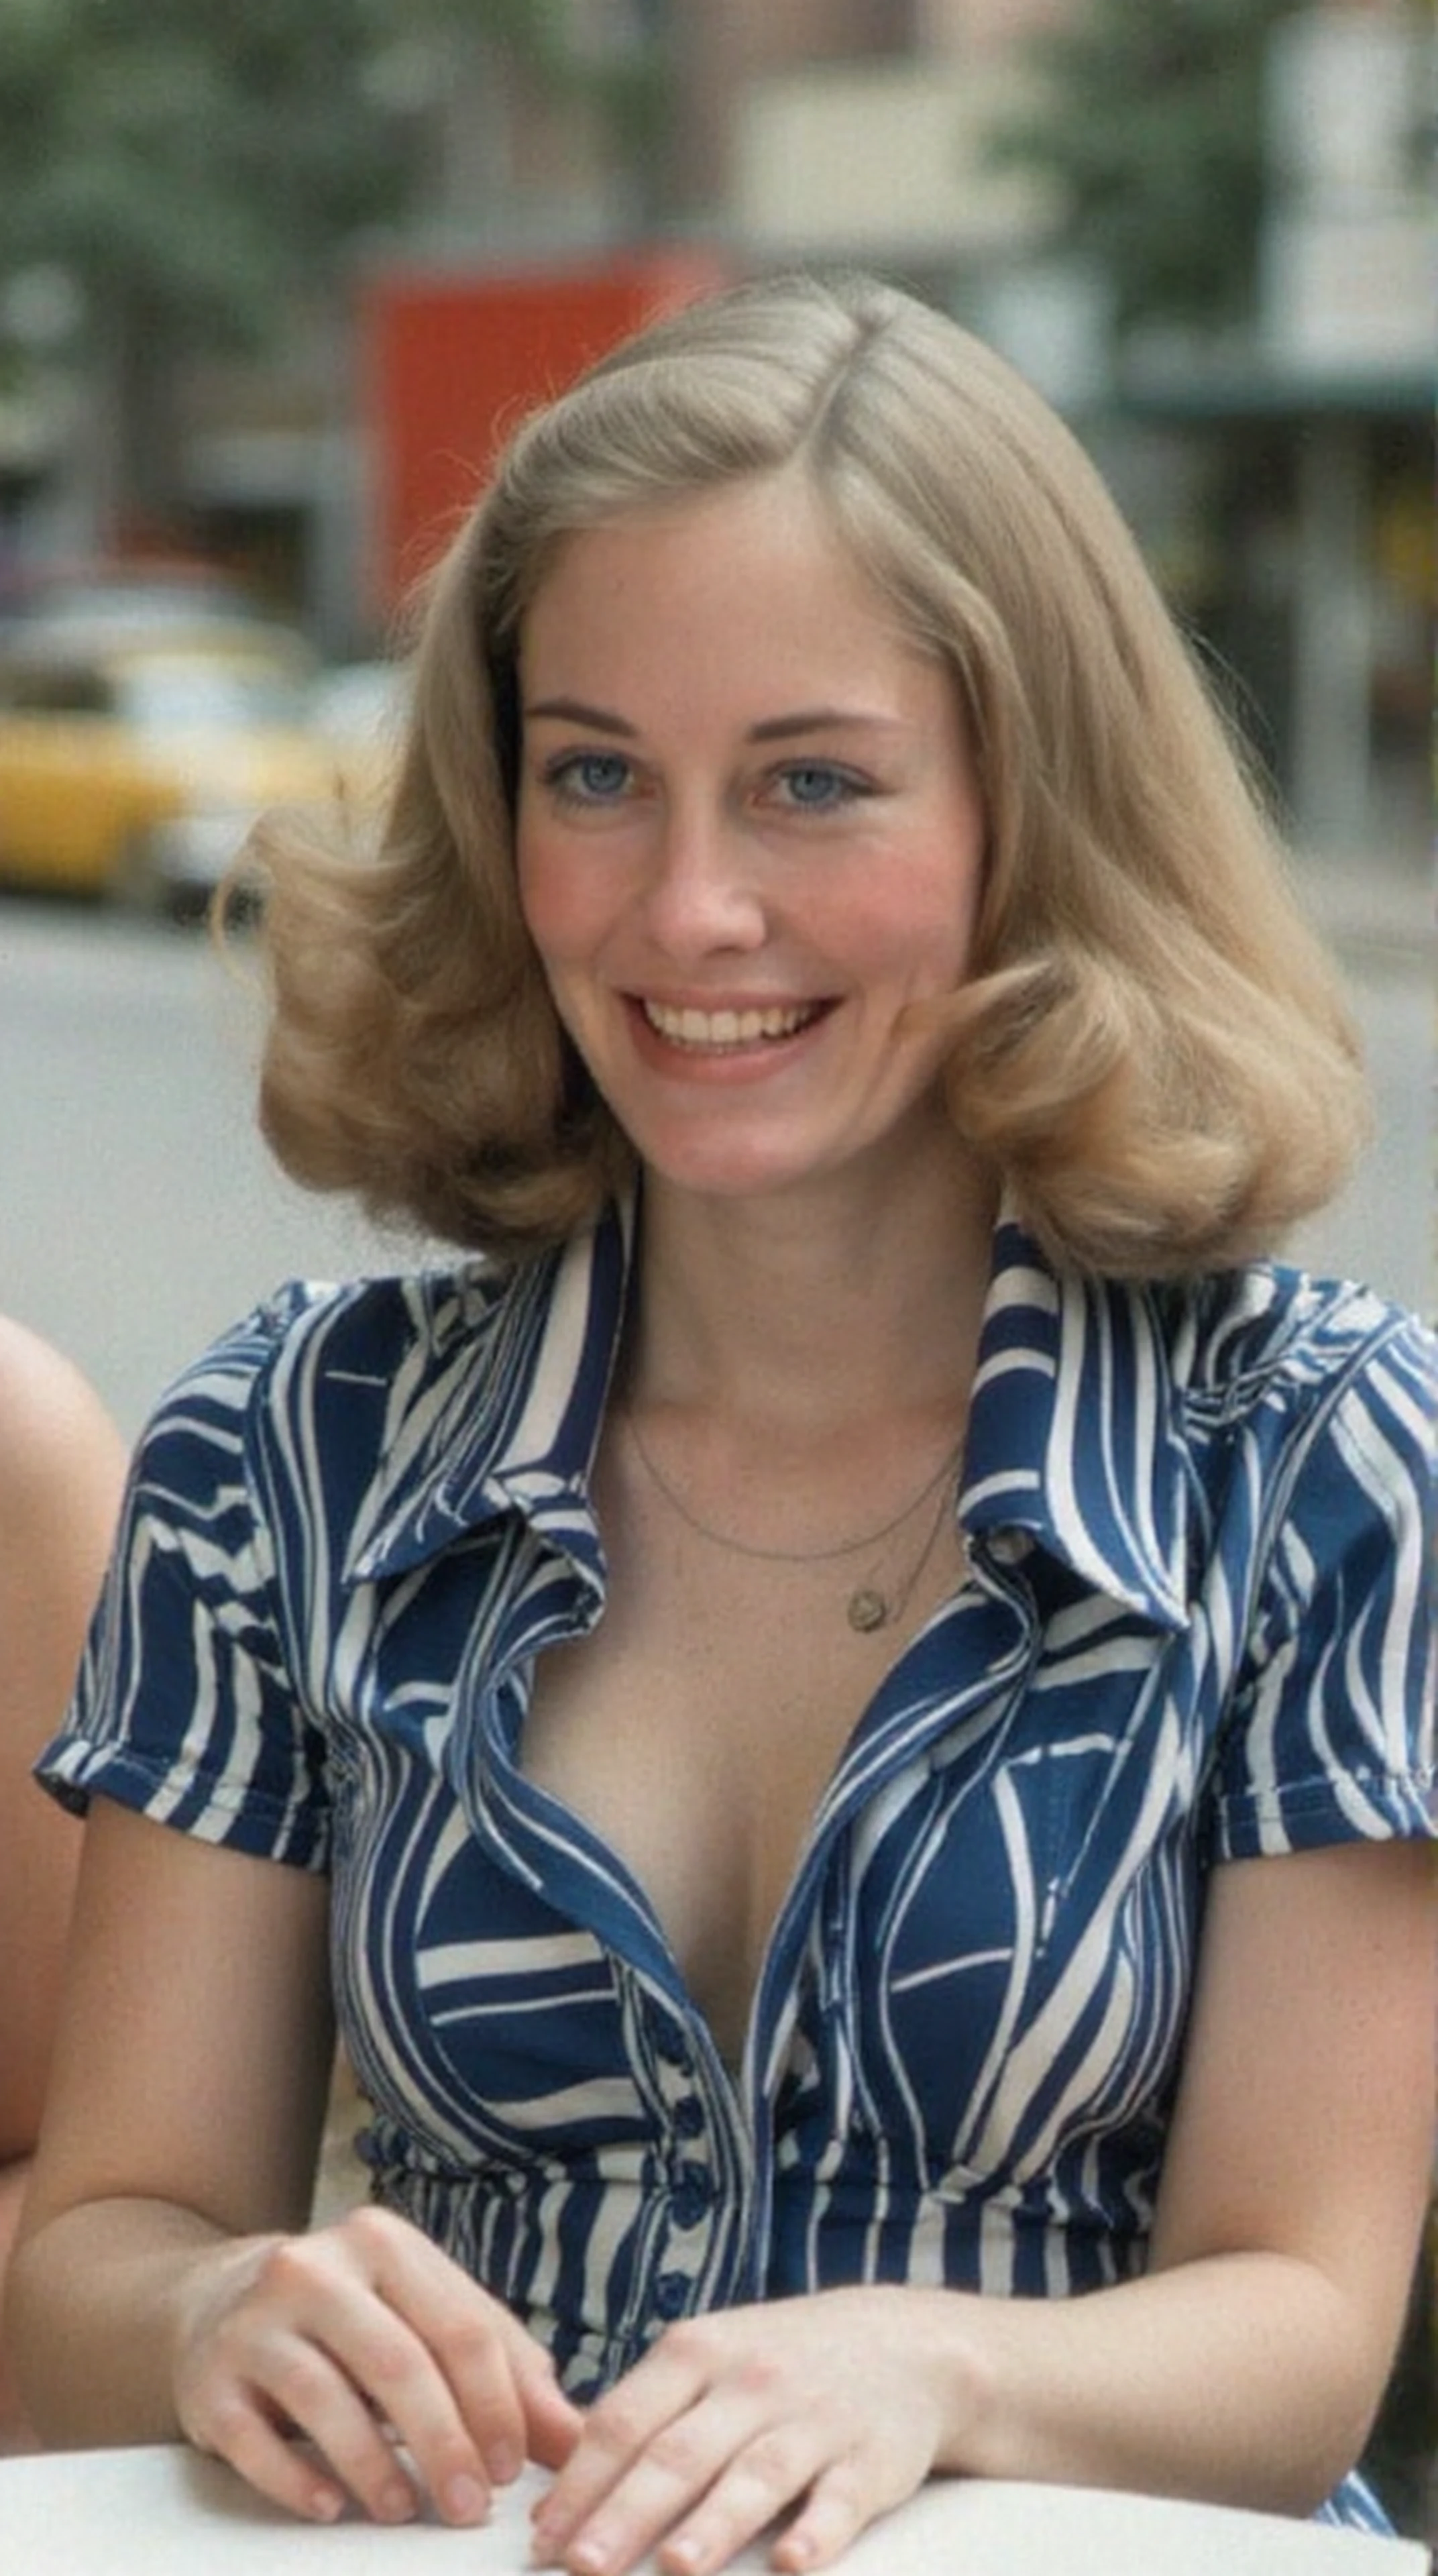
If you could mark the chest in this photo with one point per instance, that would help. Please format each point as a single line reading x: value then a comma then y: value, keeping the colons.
x: 696, y: 1732
x: 1000, y: 1915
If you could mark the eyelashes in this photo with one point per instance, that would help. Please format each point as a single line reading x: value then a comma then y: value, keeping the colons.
x: 588, y: 777
x: 820, y: 786
x: 594, y: 781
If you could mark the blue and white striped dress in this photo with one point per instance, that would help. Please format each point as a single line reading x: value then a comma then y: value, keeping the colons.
x: 1197, y: 1626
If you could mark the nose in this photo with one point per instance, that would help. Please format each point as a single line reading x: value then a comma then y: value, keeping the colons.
x: 704, y: 894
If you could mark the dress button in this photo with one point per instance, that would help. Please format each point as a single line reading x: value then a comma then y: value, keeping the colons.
x: 689, y: 2201
x: 687, y: 2115
x: 671, y: 2041
x: 1010, y: 1546
x: 671, y: 2295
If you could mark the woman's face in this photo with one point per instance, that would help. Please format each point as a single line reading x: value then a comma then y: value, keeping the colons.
x: 749, y: 837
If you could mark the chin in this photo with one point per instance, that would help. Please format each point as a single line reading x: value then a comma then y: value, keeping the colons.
x: 723, y: 1168
x: 715, y: 1179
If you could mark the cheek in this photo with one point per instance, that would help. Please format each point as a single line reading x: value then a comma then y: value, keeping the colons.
x: 921, y: 934
x: 556, y: 899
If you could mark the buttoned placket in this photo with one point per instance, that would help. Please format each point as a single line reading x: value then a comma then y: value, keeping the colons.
x: 706, y: 2147
x: 993, y: 1623
x: 709, y: 2243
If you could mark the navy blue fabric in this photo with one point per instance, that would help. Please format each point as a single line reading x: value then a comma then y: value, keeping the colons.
x: 1196, y: 1626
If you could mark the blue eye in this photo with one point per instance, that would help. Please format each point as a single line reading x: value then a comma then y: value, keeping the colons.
x: 590, y: 777
x: 816, y: 785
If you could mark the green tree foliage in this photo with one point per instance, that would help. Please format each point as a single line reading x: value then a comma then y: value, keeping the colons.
x: 198, y: 170
x: 204, y: 154
x: 212, y: 155
x: 1152, y: 124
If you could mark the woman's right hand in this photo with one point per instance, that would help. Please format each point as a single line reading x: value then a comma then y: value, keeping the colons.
x: 359, y: 2361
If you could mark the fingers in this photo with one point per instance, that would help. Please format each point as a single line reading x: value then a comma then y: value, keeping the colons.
x: 399, y: 2375
x: 680, y: 2460
x: 652, y: 2509
x: 729, y: 2425
x: 317, y: 2351
x: 553, y: 2423
x: 833, y: 2517
x: 367, y: 2342
x: 742, y: 2479
x: 241, y: 2426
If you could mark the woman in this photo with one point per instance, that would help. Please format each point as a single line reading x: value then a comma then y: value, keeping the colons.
x: 842, y: 1718
x: 61, y: 1469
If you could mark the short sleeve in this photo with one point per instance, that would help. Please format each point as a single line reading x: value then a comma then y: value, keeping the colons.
x: 1330, y: 1737
x: 184, y: 1708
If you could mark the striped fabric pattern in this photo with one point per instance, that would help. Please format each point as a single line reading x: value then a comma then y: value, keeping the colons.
x: 1197, y: 1626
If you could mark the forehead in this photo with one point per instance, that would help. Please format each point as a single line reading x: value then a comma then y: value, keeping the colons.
x: 761, y: 559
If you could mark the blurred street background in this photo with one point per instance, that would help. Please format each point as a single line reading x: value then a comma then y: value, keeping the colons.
x: 272, y: 277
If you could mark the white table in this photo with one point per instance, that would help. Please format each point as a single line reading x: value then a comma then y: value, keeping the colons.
x: 168, y: 2513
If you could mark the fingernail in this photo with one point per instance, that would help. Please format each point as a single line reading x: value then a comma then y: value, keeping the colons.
x: 396, y: 2503
x: 465, y: 2500
x: 504, y: 2463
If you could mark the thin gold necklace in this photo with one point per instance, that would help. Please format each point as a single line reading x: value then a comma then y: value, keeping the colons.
x: 867, y: 1607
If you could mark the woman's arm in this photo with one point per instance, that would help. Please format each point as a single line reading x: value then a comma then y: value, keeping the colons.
x: 1249, y: 2363
x: 61, y: 1467
x: 162, y: 2283
x: 1245, y: 2367
x: 184, y: 2110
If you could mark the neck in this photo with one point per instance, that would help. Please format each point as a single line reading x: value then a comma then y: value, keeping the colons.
x: 801, y: 1313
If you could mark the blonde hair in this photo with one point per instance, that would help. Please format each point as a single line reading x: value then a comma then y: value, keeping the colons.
x: 1150, y: 1048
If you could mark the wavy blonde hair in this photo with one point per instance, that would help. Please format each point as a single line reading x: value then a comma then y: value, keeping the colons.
x: 1150, y: 1047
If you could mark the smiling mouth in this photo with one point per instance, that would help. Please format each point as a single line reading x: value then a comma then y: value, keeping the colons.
x: 691, y: 1028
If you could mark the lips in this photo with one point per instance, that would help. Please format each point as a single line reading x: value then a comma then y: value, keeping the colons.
x: 761, y: 1024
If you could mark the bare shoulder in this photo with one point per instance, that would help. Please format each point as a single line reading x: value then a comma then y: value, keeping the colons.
x: 61, y: 1469
x: 60, y: 1452
x: 62, y: 1466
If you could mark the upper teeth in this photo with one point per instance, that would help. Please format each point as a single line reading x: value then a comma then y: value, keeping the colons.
x: 725, y: 1028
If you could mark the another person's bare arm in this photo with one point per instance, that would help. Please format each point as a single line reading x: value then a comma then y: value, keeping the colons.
x: 61, y: 1467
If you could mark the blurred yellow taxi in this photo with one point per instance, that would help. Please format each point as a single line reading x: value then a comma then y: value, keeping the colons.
x: 133, y: 764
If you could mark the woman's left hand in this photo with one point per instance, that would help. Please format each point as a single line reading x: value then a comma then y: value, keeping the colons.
x: 821, y: 2403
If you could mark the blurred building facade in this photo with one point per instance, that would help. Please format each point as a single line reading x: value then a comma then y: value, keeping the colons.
x: 1281, y: 480
x: 1313, y: 568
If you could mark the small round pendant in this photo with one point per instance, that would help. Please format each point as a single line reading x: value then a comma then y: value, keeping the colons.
x: 867, y: 1610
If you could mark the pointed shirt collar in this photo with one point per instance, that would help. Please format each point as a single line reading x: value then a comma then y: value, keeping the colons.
x: 1075, y: 1437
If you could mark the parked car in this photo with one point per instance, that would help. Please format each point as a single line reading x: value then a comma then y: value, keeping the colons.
x: 133, y: 763
x: 121, y: 592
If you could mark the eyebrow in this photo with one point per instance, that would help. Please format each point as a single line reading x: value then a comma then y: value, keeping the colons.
x: 804, y: 720
x: 574, y: 711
